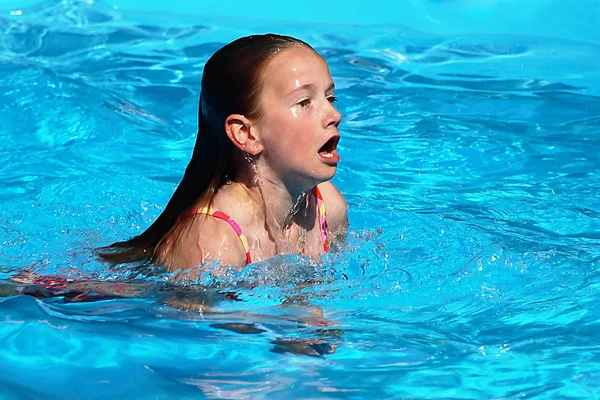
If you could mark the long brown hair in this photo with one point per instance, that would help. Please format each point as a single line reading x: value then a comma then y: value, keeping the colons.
x: 231, y: 84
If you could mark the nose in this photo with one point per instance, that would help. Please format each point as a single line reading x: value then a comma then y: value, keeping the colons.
x: 333, y: 116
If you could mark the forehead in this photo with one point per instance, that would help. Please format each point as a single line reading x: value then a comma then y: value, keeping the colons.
x: 295, y: 67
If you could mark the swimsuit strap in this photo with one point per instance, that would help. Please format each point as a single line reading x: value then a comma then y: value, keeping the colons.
x: 229, y: 220
x: 322, y: 220
x: 238, y: 230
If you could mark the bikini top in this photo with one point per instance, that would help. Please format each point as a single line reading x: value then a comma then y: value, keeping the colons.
x: 238, y: 230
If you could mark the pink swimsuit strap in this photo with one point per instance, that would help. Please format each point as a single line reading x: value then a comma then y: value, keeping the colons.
x: 238, y: 230
x: 226, y: 218
x: 322, y: 220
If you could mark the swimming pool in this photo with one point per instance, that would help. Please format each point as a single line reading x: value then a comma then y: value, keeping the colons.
x: 469, y: 161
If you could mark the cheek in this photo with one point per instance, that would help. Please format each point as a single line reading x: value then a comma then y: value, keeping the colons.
x: 289, y: 133
x: 298, y: 140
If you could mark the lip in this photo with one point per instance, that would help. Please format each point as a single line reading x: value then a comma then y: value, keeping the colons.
x: 330, y: 157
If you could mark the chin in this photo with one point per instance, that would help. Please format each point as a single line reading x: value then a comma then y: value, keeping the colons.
x: 311, y: 177
x: 326, y: 175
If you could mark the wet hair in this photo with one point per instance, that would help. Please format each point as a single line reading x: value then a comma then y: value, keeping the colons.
x: 231, y: 84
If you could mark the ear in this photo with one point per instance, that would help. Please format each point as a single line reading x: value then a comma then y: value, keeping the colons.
x: 238, y: 131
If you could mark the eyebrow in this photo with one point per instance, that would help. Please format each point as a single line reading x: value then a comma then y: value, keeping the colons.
x: 310, y: 86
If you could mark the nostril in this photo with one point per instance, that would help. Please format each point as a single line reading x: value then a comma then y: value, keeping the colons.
x: 338, y: 116
x: 335, y: 119
x: 332, y: 115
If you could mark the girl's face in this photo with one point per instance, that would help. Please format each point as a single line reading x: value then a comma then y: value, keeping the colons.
x: 299, y: 124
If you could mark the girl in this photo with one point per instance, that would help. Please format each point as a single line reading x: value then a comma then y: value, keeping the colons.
x: 258, y: 182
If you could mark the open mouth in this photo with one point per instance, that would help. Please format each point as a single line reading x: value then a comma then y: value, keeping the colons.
x: 328, y: 152
x: 330, y: 146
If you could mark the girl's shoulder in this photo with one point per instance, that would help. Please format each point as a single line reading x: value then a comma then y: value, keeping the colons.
x: 199, y: 240
x: 335, y: 206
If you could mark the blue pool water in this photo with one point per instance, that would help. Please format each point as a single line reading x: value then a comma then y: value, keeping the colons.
x: 469, y: 161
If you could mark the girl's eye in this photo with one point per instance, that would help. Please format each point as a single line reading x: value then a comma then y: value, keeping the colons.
x: 332, y: 99
x: 304, y: 103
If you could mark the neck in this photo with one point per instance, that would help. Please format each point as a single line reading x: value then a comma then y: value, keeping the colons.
x: 283, y: 204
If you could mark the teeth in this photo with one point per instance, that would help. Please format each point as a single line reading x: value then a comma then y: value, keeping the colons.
x: 327, y: 155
